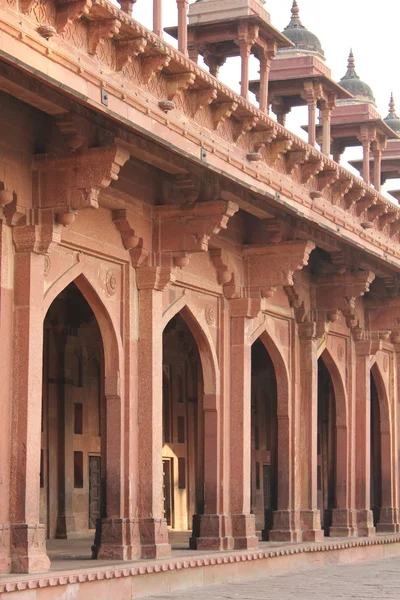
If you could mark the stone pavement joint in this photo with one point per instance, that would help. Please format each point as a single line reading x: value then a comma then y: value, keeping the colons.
x: 363, y: 581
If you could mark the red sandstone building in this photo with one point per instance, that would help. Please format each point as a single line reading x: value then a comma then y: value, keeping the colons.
x: 199, y: 311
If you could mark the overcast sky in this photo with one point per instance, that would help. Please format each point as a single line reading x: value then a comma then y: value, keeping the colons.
x: 371, y: 28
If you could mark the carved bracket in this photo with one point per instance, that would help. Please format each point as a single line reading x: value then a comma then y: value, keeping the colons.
x: 154, y: 64
x: 221, y: 262
x: 296, y: 158
x: 155, y: 278
x: 311, y: 169
x: 269, y: 267
x: 202, y: 98
x: 182, y: 230
x: 327, y: 178
x: 74, y: 181
x: 99, y: 31
x: 126, y: 50
x: 340, y: 189
x: 38, y: 233
x: 354, y: 195
x: 340, y: 292
x: 222, y: 111
x: 68, y: 12
x: 244, y: 126
x: 176, y: 84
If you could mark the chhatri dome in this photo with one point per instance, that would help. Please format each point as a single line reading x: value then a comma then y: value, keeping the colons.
x: 392, y: 119
x: 303, y: 39
x: 352, y: 83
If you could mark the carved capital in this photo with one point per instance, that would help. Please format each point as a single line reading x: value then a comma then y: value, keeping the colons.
x: 38, y: 234
x: 248, y: 308
x: 269, y: 267
x: 154, y: 278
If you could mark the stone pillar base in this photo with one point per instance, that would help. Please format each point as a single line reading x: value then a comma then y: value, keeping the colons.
x: 365, y: 523
x: 154, y: 538
x: 388, y: 520
x: 310, y: 524
x: 344, y: 523
x: 214, y: 533
x: 5, y: 559
x: 117, y: 539
x: 66, y: 528
x: 28, y: 548
x: 244, y: 532
x: 286, y: 527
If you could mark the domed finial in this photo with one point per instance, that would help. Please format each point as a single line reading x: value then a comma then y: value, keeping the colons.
x: 392, y: 105
x: 295, y: 10
x: 351, y: 64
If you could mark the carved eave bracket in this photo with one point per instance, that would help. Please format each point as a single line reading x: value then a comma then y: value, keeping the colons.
x: 74, y: 181
x: 340, y: 292
x: 269, y: 267
x: 177, y: 84
x: 327, y: 178
x: 99, y: 31
x: 222, y: 111
x: 126, y: 50
x: 296, y: 158
x: 244, y: 126
x: 70, y: 11
x: 151, y: 65
x: 202, y: 98
x: 182, y: 230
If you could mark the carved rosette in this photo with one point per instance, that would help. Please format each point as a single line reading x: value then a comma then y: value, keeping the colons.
x: 111, y: 283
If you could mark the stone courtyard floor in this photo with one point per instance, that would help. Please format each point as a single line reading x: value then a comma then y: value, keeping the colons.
x: 363, y: 581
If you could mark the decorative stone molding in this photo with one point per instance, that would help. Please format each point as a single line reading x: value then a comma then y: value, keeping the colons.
x: 269, y: 267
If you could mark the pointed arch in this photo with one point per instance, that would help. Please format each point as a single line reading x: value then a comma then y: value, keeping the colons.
x: 112, y: 343
x: 339, y: 387
x: 199, y: 329
x: 281, y: 370
x: 383, y: 399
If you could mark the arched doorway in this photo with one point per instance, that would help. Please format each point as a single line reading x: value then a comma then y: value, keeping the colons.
x: 326, y: 447
x: 72, y: 476
x: 264, y: 441
x: 183, y: 426
x: 376, y: 454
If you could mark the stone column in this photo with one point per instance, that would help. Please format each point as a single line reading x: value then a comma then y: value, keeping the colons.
x: 243, y: 523
x: 151, y: 282
x: 309, y: 513
x: 157, y: 17
x: 265, y: 67
x: 365, y: 521
x: 6, y: 370
x: 326, y: 131
x: 377, y: 153
x: 245, y: 48
x: 312, y: 108
x: 28, y: 545
x: 182, y: 26
x: 366, y: 144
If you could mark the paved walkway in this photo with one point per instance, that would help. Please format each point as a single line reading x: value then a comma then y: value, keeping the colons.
x: 361, y: 581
